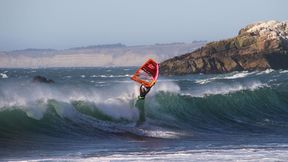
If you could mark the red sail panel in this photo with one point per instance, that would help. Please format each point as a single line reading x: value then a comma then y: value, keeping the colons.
x: 147, y: 74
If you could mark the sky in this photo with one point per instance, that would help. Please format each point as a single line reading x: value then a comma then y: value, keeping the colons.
x: 62, y: 24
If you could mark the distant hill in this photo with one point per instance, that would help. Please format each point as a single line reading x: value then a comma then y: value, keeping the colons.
x: 95, y: 55
x: 117, y: 45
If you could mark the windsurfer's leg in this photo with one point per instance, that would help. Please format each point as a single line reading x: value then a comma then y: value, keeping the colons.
x: 141, y: 109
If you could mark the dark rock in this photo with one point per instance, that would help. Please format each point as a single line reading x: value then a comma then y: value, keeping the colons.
x: 42, y: 79
x: 257, y: 47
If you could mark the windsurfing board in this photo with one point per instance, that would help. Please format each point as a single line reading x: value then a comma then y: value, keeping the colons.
x: 147, y: 74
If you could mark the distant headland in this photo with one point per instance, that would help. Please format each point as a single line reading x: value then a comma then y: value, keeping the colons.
x: 95, y: 55
x: 258, y: 46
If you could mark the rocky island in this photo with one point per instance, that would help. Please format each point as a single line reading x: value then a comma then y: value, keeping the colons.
x: 258, y: 46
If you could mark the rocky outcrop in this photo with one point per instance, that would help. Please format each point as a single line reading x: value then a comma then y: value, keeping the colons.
x: 41, y: 79
x: 257, y: 47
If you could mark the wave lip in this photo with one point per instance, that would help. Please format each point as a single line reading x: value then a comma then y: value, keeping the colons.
x: 239, y: 75
x: 231, y: 76
x: 224, y: 88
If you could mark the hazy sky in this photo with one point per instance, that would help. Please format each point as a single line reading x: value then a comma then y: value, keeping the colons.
x: 63, y: 24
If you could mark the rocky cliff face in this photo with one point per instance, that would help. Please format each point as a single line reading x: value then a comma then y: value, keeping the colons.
x: 257, y: 47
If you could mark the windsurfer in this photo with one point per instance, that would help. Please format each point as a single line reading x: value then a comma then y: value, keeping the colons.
x: 140, y: 104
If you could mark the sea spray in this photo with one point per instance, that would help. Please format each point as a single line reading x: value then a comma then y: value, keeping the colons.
x: 76, y: 118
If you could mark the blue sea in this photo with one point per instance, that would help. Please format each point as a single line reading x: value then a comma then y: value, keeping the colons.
x: 89, y: 114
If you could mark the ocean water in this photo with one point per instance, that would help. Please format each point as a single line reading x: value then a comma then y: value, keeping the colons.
x: 89, y: 114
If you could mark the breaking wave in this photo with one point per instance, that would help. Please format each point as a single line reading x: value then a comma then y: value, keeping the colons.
x: 60, y: 109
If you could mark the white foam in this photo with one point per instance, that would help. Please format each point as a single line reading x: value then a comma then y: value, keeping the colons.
x: 238, y: 75
x: 118, y: 108
x: 242, y: 74
x: 35, y: 110
x: 166, y: 87
x: 225, y: 89
x: 33, y: 98
x: 203, y: 81
x: 247, y: 154
x: 93, y: 76
x: 267, y: 71
x: 158, y: 133
x: 284, y: 71
x: 203, y: 155
x: 3, y: 75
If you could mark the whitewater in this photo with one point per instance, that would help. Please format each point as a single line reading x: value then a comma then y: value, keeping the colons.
x: 89, y: 114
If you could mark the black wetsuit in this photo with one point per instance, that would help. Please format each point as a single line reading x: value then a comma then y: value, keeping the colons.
x: 140, y: 104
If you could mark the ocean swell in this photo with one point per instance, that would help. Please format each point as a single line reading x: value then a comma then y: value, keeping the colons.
x: 64, y: 110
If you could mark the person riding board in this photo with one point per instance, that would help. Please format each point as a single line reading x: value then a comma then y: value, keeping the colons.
x: 147, y: 76
x: 140, y: 104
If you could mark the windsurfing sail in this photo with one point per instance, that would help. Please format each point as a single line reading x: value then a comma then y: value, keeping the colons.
x: 147, y: 74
